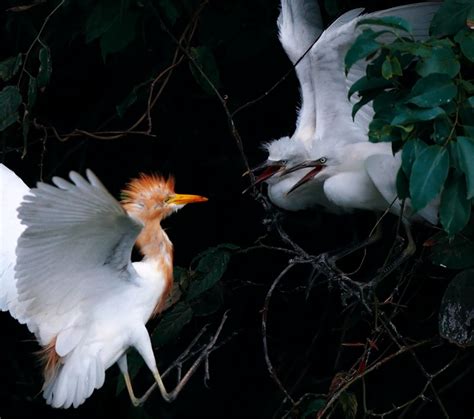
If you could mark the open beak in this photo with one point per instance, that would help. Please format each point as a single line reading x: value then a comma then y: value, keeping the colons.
x: 182, y: 199
x: 270, y: 169
x: 308, y: 176
x: 302, y: 165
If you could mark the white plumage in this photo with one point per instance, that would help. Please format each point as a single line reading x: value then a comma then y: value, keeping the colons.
x: 73, y: 282
x: 355, y: 174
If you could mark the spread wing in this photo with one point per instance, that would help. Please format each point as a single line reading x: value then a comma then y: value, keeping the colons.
x: 73, y: 255
x: 12, y: 190
x: 299, y: 25
x: 333, y: 110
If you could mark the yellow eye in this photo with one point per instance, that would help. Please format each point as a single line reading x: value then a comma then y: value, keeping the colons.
x: 323, y: 160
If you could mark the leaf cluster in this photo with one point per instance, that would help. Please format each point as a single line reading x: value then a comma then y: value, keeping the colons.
x: 422, y: 93
x: 108, y: 27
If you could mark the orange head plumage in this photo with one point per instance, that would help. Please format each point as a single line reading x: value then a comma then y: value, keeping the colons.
x: 152, y: 197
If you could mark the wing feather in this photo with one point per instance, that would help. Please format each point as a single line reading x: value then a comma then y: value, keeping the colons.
x: 333, y: 110
x: 74, y: 252
x: 299, y: 25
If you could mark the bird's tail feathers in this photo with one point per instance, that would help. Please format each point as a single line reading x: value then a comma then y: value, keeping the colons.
x: 74, y: 380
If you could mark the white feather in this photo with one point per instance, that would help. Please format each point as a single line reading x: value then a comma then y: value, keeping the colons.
x: 73, y: 279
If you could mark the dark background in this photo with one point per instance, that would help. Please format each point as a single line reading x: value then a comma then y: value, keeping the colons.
x: 193, y: 142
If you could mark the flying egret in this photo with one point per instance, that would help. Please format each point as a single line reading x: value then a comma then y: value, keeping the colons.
x: 335, y: 134
x: 73, y: 283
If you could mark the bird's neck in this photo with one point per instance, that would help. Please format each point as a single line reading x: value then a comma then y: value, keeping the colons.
x: 154, y: 243
x: 157, y: 249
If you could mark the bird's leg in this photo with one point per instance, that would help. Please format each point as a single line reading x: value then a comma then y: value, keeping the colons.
x: 144, y: 348
x: 122, y: 363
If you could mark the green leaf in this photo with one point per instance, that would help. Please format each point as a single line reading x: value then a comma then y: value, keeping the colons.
x: 314, y: 406
x: 442, y: 128
x: 411, y: 150
x: 388, y: 21
x: 414, y: 48
x: 442, y: 60
x: 454, y: 155
x: 45, y: 69
x: 466, y: 158
x: 172, y: 323
x: 366, y: 84
x: 456, y: 314
x: 465, y: 39
x: 451, y: 17
x: 366, y: 98
x: 101, y: 19
x: 381, y: 131
x: 391, y: 67
x: 455, y: 209
x: 131, y: 98
x: 204, y: 58
x: 385, y: 105
x: 406, y: 115
x: 209, y: 302
x: 10, y: 66
x: 32, y: 92
x: 120, y: 34
x: 428, y: 175
x: 10, y: 101
x: 433, y: 90
x: 211, y: 267
x: 402, y: 183
x: 170, y: 10
x: 453, y: 253
x: 364, y: 45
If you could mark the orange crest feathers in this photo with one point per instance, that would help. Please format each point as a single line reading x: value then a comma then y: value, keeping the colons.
x: 146, y: 192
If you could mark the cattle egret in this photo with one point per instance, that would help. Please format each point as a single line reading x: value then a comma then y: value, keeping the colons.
x: 72, y: 280
x: 339, y: 143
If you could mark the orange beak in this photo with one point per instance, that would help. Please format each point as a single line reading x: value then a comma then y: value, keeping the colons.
x: 182, y: 199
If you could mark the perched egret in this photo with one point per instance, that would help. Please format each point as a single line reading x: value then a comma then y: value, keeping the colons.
x: 336, y: 140
x: 72, y: 281
x: 355, y: 173
x: 299, y: 25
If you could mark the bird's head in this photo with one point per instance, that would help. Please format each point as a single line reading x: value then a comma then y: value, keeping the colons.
x: 282, y: 153
x: 152, y: 197
x: 324, y: 165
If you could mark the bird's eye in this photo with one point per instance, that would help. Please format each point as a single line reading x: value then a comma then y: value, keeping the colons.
x: 323, y: 160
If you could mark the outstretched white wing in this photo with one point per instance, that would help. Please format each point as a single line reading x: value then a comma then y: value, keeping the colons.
x: 72, y: 256
x: 12, y: 191
x: 299, y: 25
x: 333, y: 110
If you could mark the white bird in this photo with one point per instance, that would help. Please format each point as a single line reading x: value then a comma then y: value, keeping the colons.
x: 66, y: 272
x: 353, y: 177
x: 355, y: 173
x: 299, y: 25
